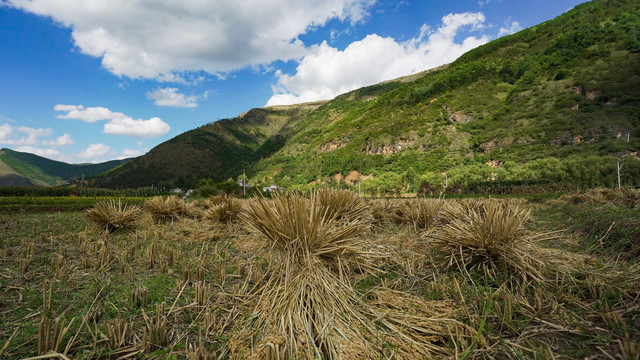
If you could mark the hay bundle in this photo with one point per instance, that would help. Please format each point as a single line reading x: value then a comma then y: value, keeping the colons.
x: 307, y: 301
x: 192, y: 210
x: 165, y: 209
x: 342, y: 205
x: 213, y: 201
x: 492, y: 235
x: 422, y: 214
x: 382, y: 211
x: 226, y: 210
x: 111, y: 215
x: 300, y: 230
x: 629, y: 197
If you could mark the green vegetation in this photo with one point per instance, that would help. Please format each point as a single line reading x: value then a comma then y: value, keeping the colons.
x: 63, y: 191
x: 18, y: 168
x: 554, y: 103
x: 57, y: 203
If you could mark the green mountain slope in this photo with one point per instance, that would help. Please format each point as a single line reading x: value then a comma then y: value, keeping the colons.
x: 219, y: 150
x: 555, y: 102
x: 24, y: 169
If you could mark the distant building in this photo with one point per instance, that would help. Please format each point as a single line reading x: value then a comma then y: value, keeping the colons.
x: 176, y: 190
x: 244, y: 184
x: 273, y: 187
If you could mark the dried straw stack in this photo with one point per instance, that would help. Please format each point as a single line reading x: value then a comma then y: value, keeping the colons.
x: 306, y: 306
x: 492, y: 235
x: 113, y: 215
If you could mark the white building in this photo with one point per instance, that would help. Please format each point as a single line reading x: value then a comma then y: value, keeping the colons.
x: 273, y: 187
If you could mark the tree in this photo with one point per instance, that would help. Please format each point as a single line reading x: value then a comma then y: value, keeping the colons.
x: 409, y: 179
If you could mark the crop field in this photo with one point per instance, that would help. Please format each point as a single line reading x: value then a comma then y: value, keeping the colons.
x: 324, y: 275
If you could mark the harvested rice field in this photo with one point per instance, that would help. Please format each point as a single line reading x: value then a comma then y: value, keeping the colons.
x: 324, y: 275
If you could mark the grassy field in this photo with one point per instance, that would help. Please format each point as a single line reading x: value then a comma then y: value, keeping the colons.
x: 56, y: 203
x: 327, y: 275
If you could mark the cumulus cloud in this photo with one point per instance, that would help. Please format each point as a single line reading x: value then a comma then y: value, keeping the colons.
x: 152, y: 39
x: 137, y: 128
x: 91, y: 114
x: 512, y: 29
x: 171, y: 97
x: 117, y: 122
x: 94, y: 152
x: 28, y: 136
x: 47, y: 153
x: 62, y: 140
x: 129, y: 153
x: 35, y: 141
x: 326, y: 71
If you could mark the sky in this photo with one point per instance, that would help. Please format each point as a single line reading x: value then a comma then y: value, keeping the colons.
x: 95, y: 80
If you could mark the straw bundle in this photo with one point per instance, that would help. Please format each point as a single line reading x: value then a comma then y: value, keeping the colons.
x: 225, y: 210
x: 111, y: 215
x: 492, y: 235
x: 165, y: 209
x: 422, y: 214
x: 306, y: 302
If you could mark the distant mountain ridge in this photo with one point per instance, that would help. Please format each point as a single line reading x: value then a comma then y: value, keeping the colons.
x: 25, y: 169
x: 554, y: 102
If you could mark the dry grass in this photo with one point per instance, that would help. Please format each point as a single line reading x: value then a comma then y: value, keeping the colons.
x: 213, y: 201
x: 303, y: 277
x: 226, y: 209
x: 166, y: 209
x: 343, y: 205
x: 622, y: 197
x: 492, y: 235
x: 112, y: 215
x: 302, y: 231
x: 383, y: 212
x: 307, y: 301
x: 422, y: 214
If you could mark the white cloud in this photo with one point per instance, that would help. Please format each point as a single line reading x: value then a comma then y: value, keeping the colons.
x: 118, y: 123
x: 326, y: 71
x: 47, y: 153
x: 171, y: 97
x: 34, y: 141
x: 95, y: 152
x: 153, y: 39
x: 6, y: 132
x: 129, y: 153
x: 137, y: 128
x: 23, y: 135
x: 90, y: 114
x: 62, y: 140
x: 512, y: 29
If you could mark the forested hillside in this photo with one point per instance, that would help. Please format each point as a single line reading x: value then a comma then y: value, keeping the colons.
x: 558, y: 102
x: 24, y: 169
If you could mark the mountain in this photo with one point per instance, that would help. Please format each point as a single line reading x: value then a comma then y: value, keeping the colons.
x: 24, y: 169
x: 554, y: 102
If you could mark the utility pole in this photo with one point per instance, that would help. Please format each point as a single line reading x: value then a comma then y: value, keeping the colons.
x: 619, y: 175
x: 244, y: 183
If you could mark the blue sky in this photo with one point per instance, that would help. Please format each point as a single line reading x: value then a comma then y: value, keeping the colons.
x: 95, y: 80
